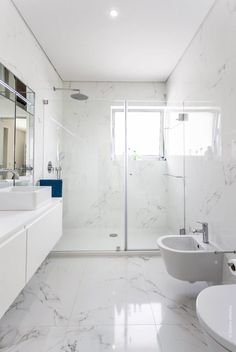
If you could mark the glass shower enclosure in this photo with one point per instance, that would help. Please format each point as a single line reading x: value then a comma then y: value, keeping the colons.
x: 123, y: 175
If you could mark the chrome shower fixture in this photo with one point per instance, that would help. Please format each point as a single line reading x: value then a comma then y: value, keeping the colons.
x: 77, y: 96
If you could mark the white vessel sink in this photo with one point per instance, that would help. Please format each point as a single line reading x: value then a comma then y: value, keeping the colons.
x: 188, y: 258
x: 24, y: 197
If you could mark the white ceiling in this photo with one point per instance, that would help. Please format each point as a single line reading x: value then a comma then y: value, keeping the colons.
x: 143, y: 44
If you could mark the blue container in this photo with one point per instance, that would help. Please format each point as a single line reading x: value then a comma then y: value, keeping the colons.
x: 56, y: 186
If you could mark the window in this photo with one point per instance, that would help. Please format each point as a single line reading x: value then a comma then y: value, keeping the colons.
x: 201, y: 131
x: 144, y: 132
x: 197, y: 136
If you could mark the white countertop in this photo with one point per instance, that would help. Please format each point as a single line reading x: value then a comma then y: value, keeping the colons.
x: 14, y: 221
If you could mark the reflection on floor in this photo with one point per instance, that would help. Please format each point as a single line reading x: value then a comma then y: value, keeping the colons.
x: 96, y: 304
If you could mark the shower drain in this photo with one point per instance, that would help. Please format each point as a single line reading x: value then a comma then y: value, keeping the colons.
x: 113, y: 235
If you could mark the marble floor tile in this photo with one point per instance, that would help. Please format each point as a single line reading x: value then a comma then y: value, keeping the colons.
x: 112, y: 338
x: 108, y: 303
x: 121, y: 338
x: 48, y: 298
x: 178, y: 338
x: 113, y: 299
x: 146, y: 264
x: 34, y: 339
x: 180, y: 291
x: 141, y: 338
x: 169, y: 312
x: 101, y: 304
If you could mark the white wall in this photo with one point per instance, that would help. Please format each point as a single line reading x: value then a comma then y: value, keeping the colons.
x: 205, y: 77
x: 94, y: 184
x: 21, y: 54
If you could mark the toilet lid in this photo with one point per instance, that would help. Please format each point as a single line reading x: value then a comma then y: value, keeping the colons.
x: 216, y: 309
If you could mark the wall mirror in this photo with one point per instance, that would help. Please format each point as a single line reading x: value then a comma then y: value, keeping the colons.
x: 17, y: 103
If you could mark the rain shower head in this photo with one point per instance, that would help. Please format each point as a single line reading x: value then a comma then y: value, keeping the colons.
x: 77, y: 96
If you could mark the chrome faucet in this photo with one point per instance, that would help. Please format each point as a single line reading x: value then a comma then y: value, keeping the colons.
x: 204, y: 231
x: 14, y: 173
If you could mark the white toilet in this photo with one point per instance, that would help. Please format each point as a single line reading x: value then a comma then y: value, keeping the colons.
x: 216, y: 310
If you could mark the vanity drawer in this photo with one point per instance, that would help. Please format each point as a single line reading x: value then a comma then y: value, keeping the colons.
x: 12, y: 269
x: 42, y: 235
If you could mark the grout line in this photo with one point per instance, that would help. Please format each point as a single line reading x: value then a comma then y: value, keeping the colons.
x: 76, y: 296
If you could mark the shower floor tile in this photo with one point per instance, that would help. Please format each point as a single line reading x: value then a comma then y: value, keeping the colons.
x: 99, y: 303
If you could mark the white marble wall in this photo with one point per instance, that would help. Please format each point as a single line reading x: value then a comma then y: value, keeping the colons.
x: 21, y: 54
x: 94, y: 183
x: 205, y: 77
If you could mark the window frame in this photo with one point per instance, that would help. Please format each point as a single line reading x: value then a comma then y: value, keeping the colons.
x: 145, y: 109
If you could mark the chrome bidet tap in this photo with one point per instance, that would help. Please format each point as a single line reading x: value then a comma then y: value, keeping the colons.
x: 204, y: 231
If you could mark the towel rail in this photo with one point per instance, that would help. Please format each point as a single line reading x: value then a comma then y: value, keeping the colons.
x: 225, y: 252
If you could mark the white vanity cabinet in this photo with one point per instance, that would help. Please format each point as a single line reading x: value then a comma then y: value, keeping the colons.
x: 24, y: 250
x: 42, y: 236
x: 12, y: 269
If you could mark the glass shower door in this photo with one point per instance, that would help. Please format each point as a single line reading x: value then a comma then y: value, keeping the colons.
x: 93, y: 170
x: 155, y: 175
x: 146, y: 183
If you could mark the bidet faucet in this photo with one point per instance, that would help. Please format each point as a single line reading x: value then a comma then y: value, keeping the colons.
x: 14, y: 173
x: 204, y: 231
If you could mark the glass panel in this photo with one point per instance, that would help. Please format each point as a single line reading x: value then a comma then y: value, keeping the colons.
x: 175, y: 165
x: 203, y: 162
x: 93, y: 175
x: 7, y: 126
x: 148, y: 176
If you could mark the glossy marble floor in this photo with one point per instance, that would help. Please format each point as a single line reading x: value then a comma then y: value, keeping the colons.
x: 96, y: 304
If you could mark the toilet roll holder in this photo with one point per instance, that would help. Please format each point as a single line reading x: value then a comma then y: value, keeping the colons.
x: 232, y: 266
x: 231, y: 262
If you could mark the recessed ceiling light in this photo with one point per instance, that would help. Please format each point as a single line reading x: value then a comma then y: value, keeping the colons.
x: 114, y: 13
